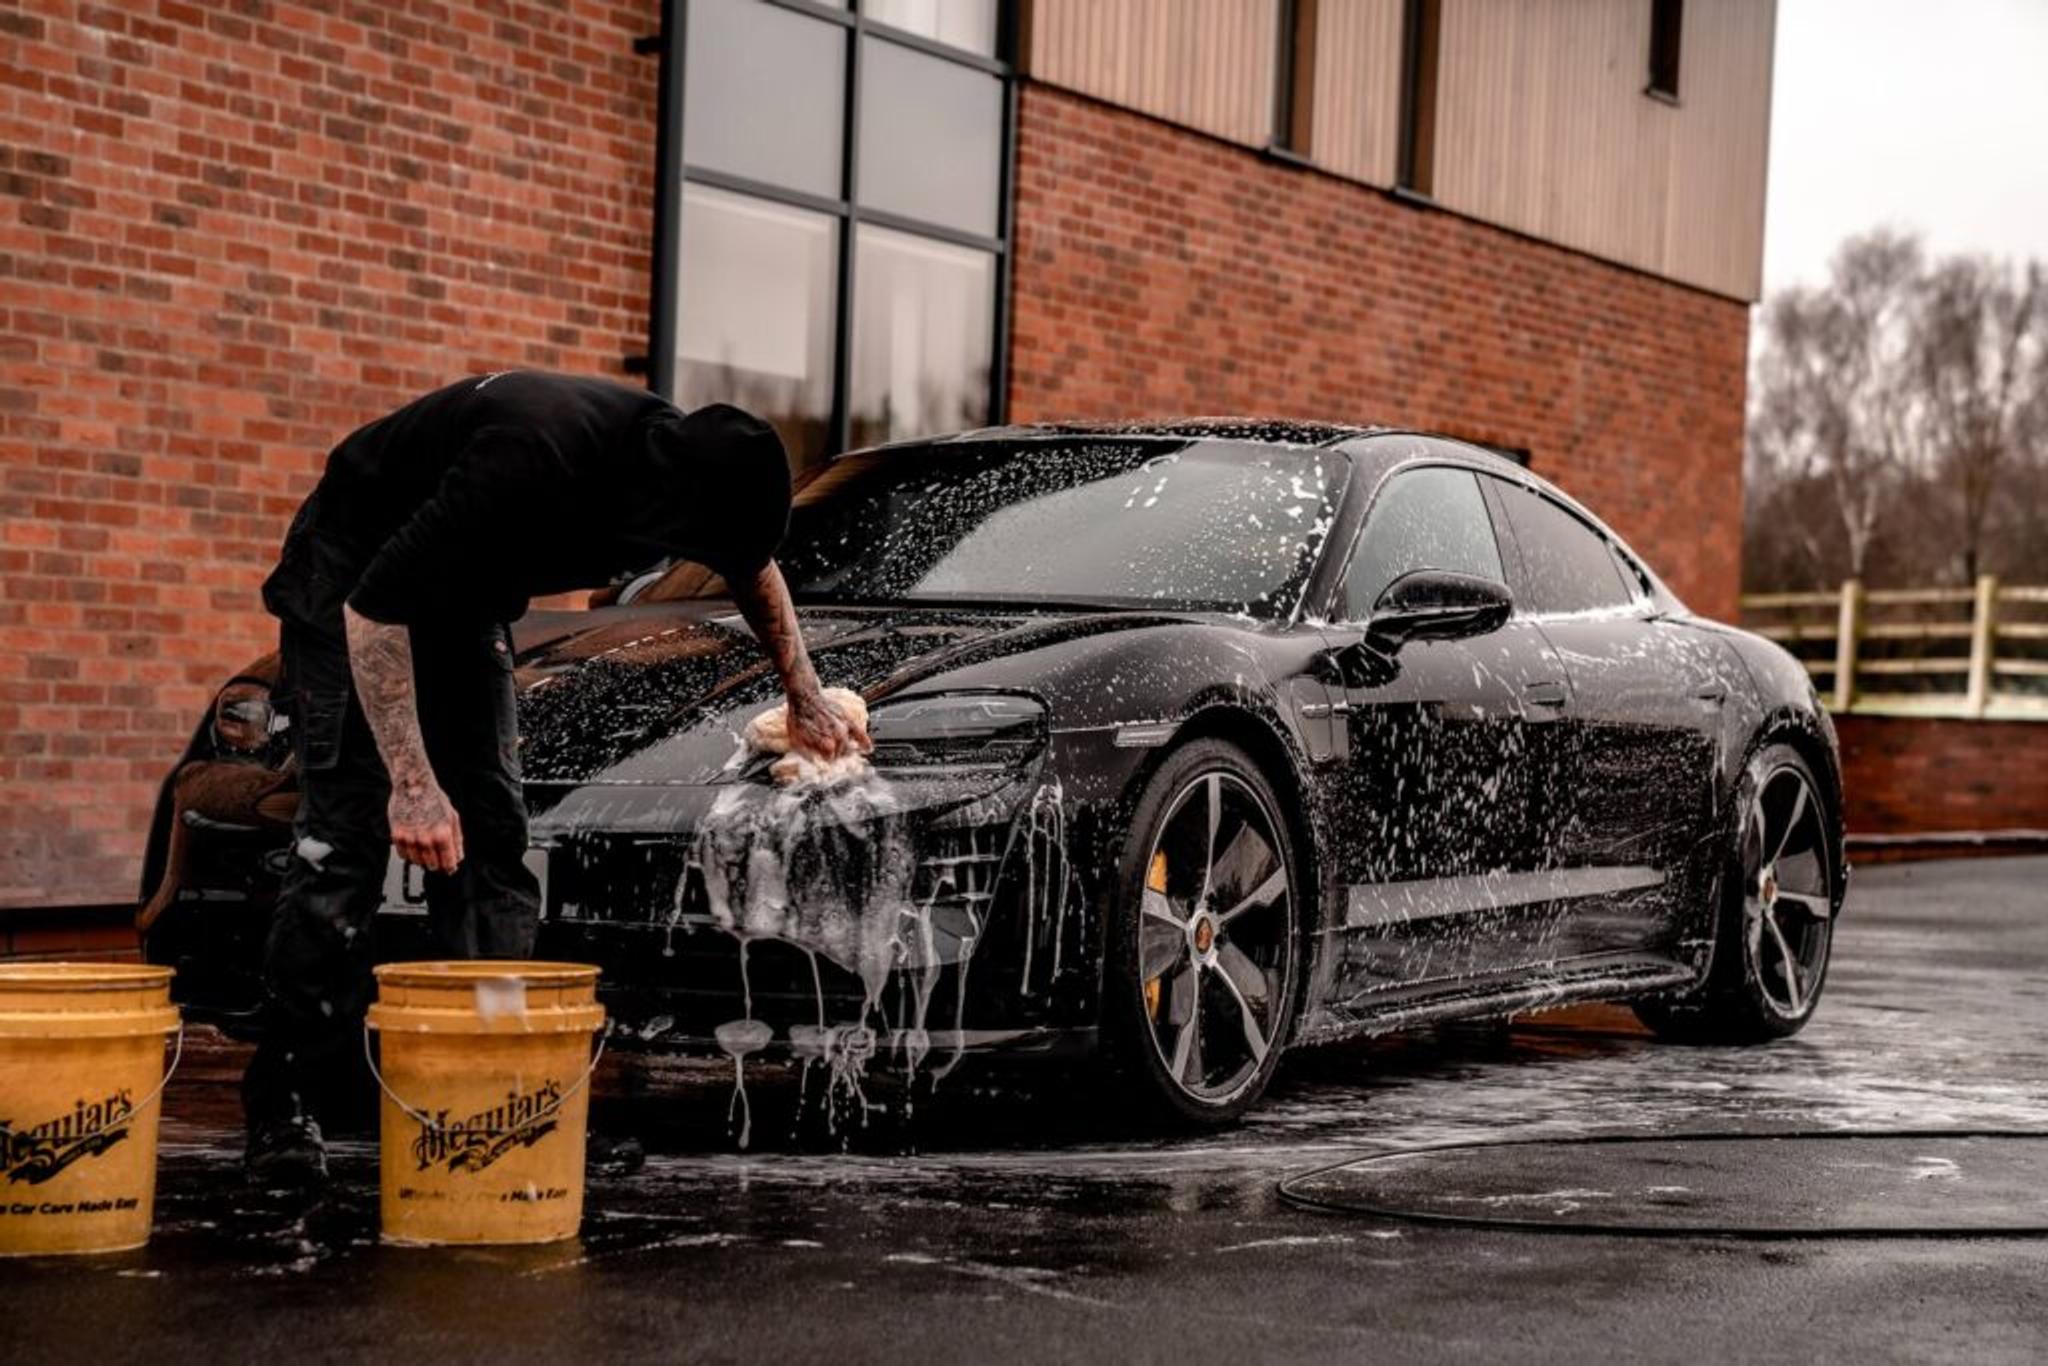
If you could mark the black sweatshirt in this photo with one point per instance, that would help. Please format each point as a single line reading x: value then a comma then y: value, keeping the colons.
x: 467, y: 502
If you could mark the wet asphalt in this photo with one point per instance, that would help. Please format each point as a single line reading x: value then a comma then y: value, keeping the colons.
x: 1012, y: 1221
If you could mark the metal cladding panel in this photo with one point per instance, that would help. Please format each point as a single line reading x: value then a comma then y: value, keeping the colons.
x: 1543, y: 126
x: 1715, y: 227
x: 1357, y: 118
x: 1205, y: 64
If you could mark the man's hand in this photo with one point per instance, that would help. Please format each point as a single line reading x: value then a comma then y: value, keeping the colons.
x: 424, y: 827
x: 821, y: 730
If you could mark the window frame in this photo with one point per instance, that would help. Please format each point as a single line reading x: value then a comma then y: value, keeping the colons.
x: 1338, y: 598
x: 672, y: 172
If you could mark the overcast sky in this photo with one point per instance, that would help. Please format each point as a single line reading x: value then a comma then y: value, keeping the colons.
x: 1927, y: 114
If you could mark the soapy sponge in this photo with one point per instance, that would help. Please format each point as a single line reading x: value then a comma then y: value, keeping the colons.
x: 768, y: 733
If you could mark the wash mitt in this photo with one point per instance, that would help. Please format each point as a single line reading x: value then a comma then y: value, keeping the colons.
x: 768, y: 733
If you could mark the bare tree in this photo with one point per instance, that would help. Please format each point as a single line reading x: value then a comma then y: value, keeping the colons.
x: 1899, y: 423
x: 1981, y: 372
x: 1831, y: 405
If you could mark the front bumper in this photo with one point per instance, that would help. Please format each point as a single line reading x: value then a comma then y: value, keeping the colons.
x: 922, y: 913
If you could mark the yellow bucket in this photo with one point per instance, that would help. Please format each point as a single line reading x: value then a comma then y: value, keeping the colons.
x: 485, y: 1069
x: 81, y: 1069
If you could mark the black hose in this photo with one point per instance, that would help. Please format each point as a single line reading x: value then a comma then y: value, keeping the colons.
x: 1291, y: 1194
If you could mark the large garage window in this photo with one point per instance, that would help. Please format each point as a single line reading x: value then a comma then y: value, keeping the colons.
x: 835, y: 221
x: 758, y: 303
x: 922, y: 329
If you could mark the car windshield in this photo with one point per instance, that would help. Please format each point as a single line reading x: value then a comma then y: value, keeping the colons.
x: 1208, y: 526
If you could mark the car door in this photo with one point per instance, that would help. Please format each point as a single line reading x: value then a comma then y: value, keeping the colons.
x: 1447, y: 759
x: 1640, y: 735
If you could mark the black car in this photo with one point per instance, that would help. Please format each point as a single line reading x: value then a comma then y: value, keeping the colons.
x: 1193, y: 741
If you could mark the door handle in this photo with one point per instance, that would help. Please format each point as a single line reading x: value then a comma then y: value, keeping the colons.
x: 1316, y: 711
x: 1712, y: 693
x: 1548, y: 693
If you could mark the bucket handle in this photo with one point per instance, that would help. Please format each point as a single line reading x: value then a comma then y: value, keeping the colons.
x: 177, y: 1056
x: 553, y: 1107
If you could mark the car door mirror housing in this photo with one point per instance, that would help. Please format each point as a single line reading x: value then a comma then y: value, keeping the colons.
x: 1435, y: 604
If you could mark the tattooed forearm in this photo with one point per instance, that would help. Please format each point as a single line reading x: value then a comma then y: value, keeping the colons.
x: 764, y: 602
x: 380, y: 657
x: 816, y: 726
x: 425, y: 828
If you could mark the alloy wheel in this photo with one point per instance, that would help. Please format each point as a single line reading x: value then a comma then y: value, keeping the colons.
x: 1216, y: 918
x: 1788, y: 902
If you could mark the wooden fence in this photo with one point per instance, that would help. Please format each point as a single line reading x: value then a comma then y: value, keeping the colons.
x: 1967, y: 652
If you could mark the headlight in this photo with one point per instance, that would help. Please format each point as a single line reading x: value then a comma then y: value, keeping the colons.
x: 960, y: 728
x: 242, y: 717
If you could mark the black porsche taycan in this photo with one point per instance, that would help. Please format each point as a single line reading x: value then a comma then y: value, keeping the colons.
x: 1193, y: 741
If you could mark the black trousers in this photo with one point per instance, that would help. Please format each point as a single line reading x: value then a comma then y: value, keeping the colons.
x: 317, y: 964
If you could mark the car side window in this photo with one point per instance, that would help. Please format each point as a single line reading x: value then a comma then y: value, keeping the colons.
x: 1566, y: 565
x: 1633, y: 575
x: 1429, y: 518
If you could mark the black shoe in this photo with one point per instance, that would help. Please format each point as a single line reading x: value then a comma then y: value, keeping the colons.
x: 286, y: 1154
x: 612, y: 1155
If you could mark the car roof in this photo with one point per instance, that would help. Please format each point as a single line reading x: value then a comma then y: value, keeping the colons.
x: 1391, y: 453
x: 1272, y: 431
x: 1367, y: 446
x: 1268, y: 431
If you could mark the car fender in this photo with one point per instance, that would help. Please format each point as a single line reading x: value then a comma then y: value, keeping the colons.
x: 1118, y: 716
x: 1782, y: 704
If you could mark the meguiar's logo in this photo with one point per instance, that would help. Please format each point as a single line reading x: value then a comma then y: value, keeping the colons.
x: 470, y: 1145
x: 38, y: 1152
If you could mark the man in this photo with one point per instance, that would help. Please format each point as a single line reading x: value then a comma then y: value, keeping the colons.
x: 430, y: 529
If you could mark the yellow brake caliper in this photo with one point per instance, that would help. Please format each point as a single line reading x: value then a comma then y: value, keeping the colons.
x: 1155, y: 881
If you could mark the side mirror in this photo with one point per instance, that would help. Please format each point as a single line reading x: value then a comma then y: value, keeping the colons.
x: 1434, y: 604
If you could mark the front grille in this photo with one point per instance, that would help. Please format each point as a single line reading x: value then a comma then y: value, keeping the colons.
x: 637, y: 906
x: 954, y: 884
x: 620, y: 879
x: 637, y: 880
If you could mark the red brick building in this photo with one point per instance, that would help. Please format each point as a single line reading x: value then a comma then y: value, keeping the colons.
x: 230, y: 230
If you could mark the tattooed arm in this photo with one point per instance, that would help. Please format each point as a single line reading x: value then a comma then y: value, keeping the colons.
x: 815, y: 725
x: 424, y: 827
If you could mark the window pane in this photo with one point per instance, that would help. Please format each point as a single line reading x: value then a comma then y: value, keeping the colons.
x: 922, y: 328
x: 1565, y: 563
x: 764, y: 94
x: 1633, y: 578
x: 1432, y: 518
x: 931, y: 137
x: 969, y: 24
x: 755, y: 317
x: 1667, y: 24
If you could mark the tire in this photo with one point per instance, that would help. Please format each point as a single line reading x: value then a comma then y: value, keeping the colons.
x: 1780, y: 892
x: 1205, y: 928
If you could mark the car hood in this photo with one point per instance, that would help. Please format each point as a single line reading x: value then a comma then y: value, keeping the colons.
x: 663, y: 697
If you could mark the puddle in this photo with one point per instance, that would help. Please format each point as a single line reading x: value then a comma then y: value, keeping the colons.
x: 1925, y: 1184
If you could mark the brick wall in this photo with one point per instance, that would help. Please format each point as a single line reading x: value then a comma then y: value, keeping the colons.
x: 229, y: 232
x: 1908, y: 775
x: 1159, y: 271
